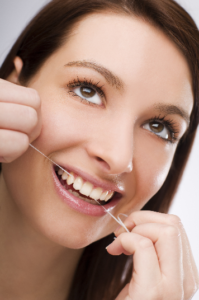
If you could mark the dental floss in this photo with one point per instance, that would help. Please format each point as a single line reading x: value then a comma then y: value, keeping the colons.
x: 49, y: 158
x: 118, y: 220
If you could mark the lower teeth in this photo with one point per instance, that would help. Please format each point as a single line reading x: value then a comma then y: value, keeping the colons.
x: 82, y: 198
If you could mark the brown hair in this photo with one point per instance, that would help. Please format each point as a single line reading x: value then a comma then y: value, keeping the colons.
x: 99, y: 275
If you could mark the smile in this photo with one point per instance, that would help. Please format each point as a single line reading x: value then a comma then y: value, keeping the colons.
x: 80, y: 188
x: 84, y: 195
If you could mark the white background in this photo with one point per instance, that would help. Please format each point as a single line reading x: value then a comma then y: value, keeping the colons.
x: 14, y: 15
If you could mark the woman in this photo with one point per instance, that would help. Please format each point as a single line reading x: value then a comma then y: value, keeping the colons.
x: 108, y: 90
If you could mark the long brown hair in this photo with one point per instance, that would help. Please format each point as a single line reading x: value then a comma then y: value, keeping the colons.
x: 99, y: 275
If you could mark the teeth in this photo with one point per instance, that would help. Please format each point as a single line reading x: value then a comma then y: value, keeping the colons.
x: 75, y: 194
x: 86, y: 188
x: 60, y: 171
x: 103, y: 195
x: 110, y: 194
x: 96, y: 193
x: 70, y: 178
x: 78, y: 183
x: 64, y: 176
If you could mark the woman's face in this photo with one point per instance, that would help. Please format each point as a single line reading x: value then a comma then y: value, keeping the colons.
x: 116, y: 98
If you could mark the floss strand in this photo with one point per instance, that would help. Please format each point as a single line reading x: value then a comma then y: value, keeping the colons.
x: 118, y: 220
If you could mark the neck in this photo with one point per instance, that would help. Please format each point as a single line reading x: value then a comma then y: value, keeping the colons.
x: 32, y: 267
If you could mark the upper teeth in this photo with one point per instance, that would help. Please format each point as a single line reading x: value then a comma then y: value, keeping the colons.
x: 85, y: 188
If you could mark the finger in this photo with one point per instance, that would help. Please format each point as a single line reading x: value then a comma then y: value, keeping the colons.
x: 146, y: 270
x: 18, y: 117
x: 140, y: 217
x: 191, y: 278
x: 18, y: 94
x: 168, y: 245
x: 123, y: 295
x: 12, y: 145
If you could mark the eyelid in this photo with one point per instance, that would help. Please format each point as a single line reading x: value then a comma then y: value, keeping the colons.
x: 169, y: 124
x: 87, y: 83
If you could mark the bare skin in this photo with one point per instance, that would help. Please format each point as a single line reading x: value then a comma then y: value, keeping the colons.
x: 42, y: 237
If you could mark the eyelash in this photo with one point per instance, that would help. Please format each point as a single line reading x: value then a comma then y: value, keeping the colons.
x: 168, y: 123
x: 88, y: 83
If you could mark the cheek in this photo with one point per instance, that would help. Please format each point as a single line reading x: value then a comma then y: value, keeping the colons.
x: 32, y: 197
x: 152, y: 162
x: 65, y: 123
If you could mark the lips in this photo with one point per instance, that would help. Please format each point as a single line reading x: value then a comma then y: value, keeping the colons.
x: 83, y: 195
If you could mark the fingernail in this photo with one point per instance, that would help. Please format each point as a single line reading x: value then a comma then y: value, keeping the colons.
x: 108, y: 246
x: 111, y: 242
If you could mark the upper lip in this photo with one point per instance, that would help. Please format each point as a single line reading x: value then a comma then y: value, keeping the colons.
x: 96, y: 182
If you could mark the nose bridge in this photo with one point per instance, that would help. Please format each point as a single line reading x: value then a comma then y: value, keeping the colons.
x: 114, y: 145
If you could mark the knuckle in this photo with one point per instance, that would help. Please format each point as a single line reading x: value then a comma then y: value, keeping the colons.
x: 33, y: 94
x: 171, y: 231
x: 123, y: 238
x: 32, y: 116
x: 16, y: 143
x: 24, y: 140
x: 21, y: 140
x: 145, y: 243
x: 174, y: 220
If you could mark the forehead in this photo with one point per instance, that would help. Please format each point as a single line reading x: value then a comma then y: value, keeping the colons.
x: 139, y: 53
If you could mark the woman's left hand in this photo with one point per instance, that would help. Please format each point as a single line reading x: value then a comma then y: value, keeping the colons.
x: 163, y: 265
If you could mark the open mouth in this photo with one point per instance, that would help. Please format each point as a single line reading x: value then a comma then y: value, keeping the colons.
x: 85, y: 190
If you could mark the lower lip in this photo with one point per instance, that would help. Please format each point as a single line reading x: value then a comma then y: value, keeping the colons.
x: 79, y: 204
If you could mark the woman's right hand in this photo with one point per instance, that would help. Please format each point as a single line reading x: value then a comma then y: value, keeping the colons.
x: 20, y: 119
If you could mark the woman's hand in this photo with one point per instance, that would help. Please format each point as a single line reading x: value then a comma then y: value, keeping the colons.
x: 20, y: 119
x: 163, y: 266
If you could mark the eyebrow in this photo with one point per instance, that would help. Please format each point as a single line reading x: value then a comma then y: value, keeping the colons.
x: 173, y: 110
x: 116, y: 82
x: 110, y: 77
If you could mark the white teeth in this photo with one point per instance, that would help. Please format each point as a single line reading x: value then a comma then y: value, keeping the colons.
x: 96, y: 193
x: 103, y: 195
x: 60, y: 171
x: 64, y: 176
x: 86, y: 188
x: 70, y: 178
x: 78, y: 183
x: 110, y: 194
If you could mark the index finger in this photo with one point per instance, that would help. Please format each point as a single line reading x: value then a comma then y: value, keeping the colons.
x: 140, y: 217
x: 13, y: 93
x: 191, y: 277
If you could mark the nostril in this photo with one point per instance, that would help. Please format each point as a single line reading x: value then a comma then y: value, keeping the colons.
x: 103, y: 163
x: 99, y: 159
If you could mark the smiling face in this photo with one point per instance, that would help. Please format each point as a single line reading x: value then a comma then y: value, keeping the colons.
x: 115, y: 101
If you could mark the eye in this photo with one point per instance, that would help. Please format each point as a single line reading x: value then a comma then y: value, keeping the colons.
x: 159, y: 129
x: 88, y: 94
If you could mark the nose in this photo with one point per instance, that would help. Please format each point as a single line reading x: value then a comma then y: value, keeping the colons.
x: 112, y: 148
